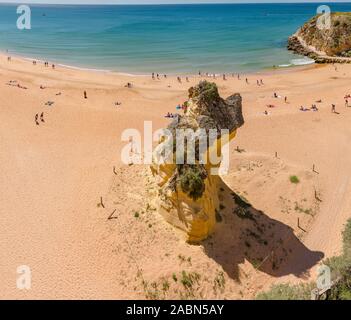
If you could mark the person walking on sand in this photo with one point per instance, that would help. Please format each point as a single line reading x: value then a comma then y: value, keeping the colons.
x: 224, y: 77
x: 85, y: 95
x: 36, y: 119
x: 333, y: 108
x: 286, y: 99
x: 179, y: 79
x: 247, y: 81
x: 346, y: 102
x: 42, y: 117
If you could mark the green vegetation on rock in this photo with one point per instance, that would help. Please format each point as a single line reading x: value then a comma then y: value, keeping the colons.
x: 192, y: 182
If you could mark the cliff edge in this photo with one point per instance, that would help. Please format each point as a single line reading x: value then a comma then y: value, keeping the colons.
x: 323, y: 41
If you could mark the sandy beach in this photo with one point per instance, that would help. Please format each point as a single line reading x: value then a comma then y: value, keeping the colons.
x: 54, y: 174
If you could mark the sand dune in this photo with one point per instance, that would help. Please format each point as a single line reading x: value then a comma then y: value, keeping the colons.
x: 54, y: 173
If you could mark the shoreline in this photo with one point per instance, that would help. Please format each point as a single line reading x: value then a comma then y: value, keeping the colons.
x: 264, y: 71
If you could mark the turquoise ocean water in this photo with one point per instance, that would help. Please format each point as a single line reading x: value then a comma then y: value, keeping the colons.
x: 162, y: 38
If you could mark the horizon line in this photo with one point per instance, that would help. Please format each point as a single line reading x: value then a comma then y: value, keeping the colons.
x: 174, y: 4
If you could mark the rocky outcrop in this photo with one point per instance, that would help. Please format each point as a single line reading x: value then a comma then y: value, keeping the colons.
x: 188, y: 192
x: 326, y: 44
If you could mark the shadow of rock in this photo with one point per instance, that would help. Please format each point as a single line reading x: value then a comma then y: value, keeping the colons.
x: 244, y: 233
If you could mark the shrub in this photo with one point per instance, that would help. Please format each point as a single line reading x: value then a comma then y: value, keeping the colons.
x: 287, y: 292
x: 294, y: 179
x: 192, y: 183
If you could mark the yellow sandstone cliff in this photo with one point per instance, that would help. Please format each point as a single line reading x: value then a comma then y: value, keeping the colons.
x: 188, y: 190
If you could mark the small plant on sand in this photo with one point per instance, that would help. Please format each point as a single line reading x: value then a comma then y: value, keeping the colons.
x: 219, y: 282
x: 294, y: 179
x: 189, y: 279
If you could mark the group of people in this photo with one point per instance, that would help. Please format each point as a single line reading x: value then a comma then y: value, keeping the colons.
x: 171, y: 115
x: 209, y: 75
x: 41, y: 118
x: 313, y: 108
x: 46, y: 64
x: 158, y: 76
x: 14, y: 83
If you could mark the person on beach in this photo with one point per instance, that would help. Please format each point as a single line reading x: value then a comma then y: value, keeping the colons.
x: 258, y: 83
x: 179, y: 79
x: 224, y: 77
x: 238, y: 76
x: 36, y: 119
x: 333, y: 108
x: 346, y: 102
x: 42, y: 117
x: 247, y: 81
x: 158, y: 76
x: 286, y: 99
x: 53, y: 66
x: 85, y: 95
x: 9, y: 58
x: 261, y: 82
x: 153, y: 76
x: 187, y: 79
x: 165, y: 76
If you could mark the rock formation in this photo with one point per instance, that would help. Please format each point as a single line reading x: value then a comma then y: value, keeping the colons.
x: 188, y: 192
x: 324, y: 44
